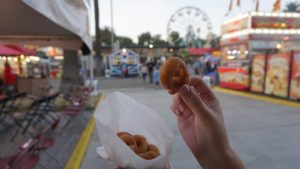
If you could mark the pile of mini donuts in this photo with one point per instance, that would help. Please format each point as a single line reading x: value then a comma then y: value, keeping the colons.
x: 139, y: 145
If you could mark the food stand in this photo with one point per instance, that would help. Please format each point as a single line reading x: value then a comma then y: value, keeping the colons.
x: 124, y: 56
x: 259, y: 52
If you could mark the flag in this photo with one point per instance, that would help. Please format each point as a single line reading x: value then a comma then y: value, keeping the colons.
x: 257, y: 6
x: 229, y: 8
x: 238, y: 3
x: 276, y: 6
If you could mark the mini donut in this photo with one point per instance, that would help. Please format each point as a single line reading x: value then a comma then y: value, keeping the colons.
x: 152, y: 152
x: 142, y: 144
x: 174, y: 74
x: 128, y: 139
x: 153, y: 148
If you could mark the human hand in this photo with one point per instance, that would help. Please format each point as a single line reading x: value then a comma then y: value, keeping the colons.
x: 201, y: 124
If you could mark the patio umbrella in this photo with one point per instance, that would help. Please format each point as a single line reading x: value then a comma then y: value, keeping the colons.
x: 24, y: 51
x: 4, y: 50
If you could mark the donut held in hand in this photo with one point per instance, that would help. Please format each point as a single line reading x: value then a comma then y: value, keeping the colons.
x: 174, y: 74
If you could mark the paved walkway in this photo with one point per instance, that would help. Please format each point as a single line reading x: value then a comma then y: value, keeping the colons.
x: 265, y: 135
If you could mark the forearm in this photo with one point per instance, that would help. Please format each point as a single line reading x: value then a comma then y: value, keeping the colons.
x: 227, y: 159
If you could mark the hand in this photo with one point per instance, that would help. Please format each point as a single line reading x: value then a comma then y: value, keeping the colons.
x: 201, y: 124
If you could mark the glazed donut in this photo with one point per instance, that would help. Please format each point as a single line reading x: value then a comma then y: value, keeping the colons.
x: 174, y: 74
x: 142, y: 144
x: 151, y: 153
x: 129, y: 140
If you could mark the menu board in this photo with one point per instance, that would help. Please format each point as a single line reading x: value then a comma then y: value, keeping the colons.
x: 295, y: 77
x: 258, y: 73
x: 277, y: 75
x: 270, y: 22
x: 235, y: 78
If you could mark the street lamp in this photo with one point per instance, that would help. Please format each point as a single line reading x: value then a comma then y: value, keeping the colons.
x: 112, y: 27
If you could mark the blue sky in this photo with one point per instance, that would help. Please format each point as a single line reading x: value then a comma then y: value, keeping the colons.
x: 133, y: 17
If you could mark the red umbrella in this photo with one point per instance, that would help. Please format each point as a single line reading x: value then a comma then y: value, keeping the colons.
x: 24, y: 51
x: 5, y: 50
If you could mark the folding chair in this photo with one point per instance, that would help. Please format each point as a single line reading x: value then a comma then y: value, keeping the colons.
x: 29, y: 117
x: 8, y: 105
x: 45, y: 110
x: 3, y: 111
x: 22, y: 159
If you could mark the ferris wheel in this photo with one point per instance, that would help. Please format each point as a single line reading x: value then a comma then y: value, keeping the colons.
x: 188, y: 24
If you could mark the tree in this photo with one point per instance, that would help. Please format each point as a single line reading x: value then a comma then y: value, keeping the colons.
x: 125, y: 41
x: 174, y: 37
x: 291, y: 6
x: 157, y: 41
x: 106, y: 36
x: 144, y: 38
x: 215, y: 42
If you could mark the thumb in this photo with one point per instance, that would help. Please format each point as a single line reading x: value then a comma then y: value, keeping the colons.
x: 193, y: 100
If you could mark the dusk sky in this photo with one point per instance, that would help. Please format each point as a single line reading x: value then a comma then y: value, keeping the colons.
x: 133, y: 17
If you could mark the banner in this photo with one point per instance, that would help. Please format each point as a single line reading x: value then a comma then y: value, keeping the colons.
x: 277, y: 75
x: 295, y: 77
x: 234, y: 78
x: 258, y: 73
x: 276, y: 6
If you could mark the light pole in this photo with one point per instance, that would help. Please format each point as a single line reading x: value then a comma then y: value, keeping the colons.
x: 112, y: 27
x: 97, y: 44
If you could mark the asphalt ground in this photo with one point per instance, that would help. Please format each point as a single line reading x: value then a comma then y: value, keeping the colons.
x: 264, y: 134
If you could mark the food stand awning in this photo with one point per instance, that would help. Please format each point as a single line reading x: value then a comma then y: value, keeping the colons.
x: 60, y: 23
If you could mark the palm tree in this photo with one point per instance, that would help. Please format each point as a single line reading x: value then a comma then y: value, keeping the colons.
x: 291, y: 6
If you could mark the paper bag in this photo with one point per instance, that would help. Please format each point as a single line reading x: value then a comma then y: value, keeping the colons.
x: 119, y: 112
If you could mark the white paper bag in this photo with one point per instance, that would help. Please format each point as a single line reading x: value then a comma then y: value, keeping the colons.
x: 119, y: 112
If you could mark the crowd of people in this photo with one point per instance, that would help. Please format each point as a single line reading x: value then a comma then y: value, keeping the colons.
x: 151, y: 70
x: 204, y: 67
x: 207, y: 67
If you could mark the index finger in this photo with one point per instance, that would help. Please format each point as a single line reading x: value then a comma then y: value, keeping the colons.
x: 205, y: 92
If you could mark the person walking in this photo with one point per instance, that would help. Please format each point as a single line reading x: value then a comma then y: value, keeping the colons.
x: 150, y: 66
x: 156, y: 75
x: 144, y: 70
x: 9, y: 78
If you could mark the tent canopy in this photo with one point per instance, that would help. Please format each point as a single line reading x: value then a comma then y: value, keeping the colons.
x: 22, y: 22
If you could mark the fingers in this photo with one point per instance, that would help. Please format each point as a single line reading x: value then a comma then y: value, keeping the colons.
x: 205, y: 92
x: 178, y: 106
x: 192, y: 99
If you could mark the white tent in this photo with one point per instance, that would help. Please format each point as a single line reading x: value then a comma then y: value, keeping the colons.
x: 61, y: 23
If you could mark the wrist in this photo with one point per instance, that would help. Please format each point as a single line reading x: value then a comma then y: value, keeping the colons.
x: 220, y: 159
